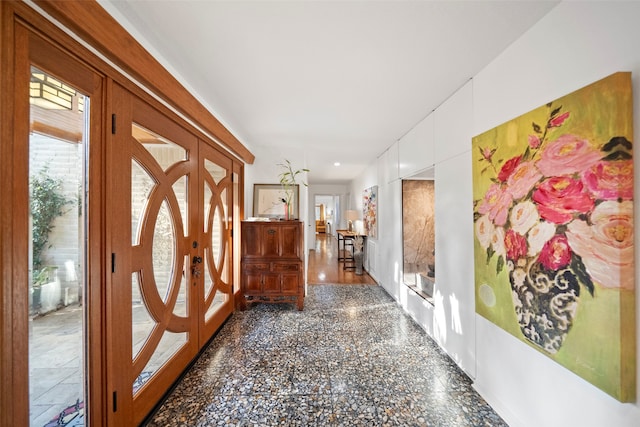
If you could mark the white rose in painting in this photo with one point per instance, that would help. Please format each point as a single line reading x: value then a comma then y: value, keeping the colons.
x: 523, y: 216
x: 538, y: 236
x: 606, y: 247
x: 484, y: 231
x: 497, y: 242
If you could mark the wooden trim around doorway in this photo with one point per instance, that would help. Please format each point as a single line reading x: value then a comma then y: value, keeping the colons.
x: 94, y: 25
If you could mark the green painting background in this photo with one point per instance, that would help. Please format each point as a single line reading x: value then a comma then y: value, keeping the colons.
x: 600, y: 347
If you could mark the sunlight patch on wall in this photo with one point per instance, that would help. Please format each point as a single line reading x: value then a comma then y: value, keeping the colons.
x: 439, y: 319
x: 456, y: 323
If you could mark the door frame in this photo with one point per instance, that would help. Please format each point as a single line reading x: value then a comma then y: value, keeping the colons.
x: 31, y: 48
x: 93, y: 26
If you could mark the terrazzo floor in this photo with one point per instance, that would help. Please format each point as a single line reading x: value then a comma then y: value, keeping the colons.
x: 351, y: 358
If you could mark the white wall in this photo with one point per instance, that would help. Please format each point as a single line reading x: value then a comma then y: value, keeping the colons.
x: 445, y: 135
x: 421, y: 140
x: 576, y: 44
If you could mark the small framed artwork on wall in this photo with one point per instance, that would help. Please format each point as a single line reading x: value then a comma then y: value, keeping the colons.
x: 275, y: 201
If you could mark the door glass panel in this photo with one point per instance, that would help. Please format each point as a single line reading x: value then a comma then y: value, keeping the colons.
x: 208, y: 278
x: 217, y: 172
x: 180, y: 190
x: 141, y: 319
x: 58, y: 216
x: 225, y: 208
x: 141, y: 186
x: 218, y: 301
x: 210, y: 290
x: 216, y: 238
x: 180, y: 308
x: 224, y: 274
x: 169, y: 345
x: 207, y: 205
x: 143, y: 330
x: 164, y: 241
x: 165, y: 152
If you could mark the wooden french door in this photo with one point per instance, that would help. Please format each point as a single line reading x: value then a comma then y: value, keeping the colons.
x: 170, y: 203
x: 215, y: 224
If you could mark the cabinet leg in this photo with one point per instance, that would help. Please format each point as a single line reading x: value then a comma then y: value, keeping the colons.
x: 243, y: 303
x: 300, y: 303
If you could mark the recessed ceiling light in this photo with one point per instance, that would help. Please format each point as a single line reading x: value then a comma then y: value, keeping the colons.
x: 336, y: 164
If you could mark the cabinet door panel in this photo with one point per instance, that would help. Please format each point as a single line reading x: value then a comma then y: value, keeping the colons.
x: 251, y: 240
x: 270, y: 241
x: 271, y: 283
x: 290, y: 283
x: 253, y: 282
x: 290, y: 239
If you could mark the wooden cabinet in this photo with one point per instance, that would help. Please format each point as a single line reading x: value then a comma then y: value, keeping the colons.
x: 272, y: 262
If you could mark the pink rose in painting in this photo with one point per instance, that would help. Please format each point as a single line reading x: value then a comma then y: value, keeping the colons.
x: 606, y: 247
x: 534, y: 141
x: 487, y: 153
x: 557, y: 121
x: 555, y: 254
x: 515, y: 245
x: 610, y: 180
x: 496, y: 203
x: 522, y: 180
x: 566, y: 155
x: 508, y: 168
x: 539, y: 235
x: 559, y: 198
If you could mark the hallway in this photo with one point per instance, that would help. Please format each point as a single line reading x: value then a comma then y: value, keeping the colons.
x: 351, y: 358
x: 324, y: 266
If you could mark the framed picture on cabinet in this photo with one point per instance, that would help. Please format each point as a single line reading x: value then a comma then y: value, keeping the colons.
x: 275, y: 201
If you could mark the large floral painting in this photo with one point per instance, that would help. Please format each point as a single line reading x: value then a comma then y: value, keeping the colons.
x: 553, y: 215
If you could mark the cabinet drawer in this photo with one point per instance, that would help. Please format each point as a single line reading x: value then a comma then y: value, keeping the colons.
x: 255, y: 266
x: 280, y: 267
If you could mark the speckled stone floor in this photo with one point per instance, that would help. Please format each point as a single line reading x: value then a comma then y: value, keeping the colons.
x: 351, y: 358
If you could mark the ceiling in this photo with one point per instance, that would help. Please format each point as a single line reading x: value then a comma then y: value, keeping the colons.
x: 324, y: 81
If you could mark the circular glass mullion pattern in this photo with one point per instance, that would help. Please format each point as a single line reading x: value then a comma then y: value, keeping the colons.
x: 161, y: 265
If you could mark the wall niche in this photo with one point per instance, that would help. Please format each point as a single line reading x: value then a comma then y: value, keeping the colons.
x: 418, y: 236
